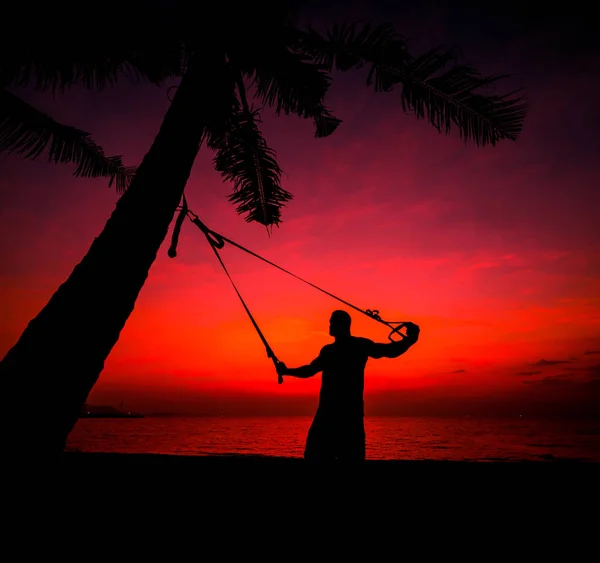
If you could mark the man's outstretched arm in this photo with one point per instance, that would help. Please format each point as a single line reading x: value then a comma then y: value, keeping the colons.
x: 303, y: 371
x: 395, y: 349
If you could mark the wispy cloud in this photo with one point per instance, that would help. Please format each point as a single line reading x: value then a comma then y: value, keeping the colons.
x: 592, y: 372
x: 552, y: 380
x: 582, y: 377
x: 528, y: 373
x: 544, y: 362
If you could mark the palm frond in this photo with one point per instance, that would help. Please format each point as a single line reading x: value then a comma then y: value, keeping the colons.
x: 219, y: 103
x: 454, y: 97
x: 142, y: 39
x: 344, y: 48
x: 56, y: 68
x: 60, y: 49
x: 27, y: 131
x: 443, y: 97
x: 325, y: 122
x: 290, y: 82
x: 244, y: 158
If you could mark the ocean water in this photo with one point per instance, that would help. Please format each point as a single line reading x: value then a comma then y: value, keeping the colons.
x: 473, y: 439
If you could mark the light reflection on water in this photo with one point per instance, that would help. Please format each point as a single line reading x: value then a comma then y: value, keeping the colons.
x: 387, y: 438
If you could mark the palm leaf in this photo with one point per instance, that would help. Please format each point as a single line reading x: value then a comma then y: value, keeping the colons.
x: 27, y: 131
x: 223, y: 102
x: 143, y: 39
x: 244, y: 158
x: 443, y: 97
x: 344, y: 48
x: 453, y: 97
x: 143, y: 43
x: 325, y: 122
x: 290, y: 82
x: 56, y: 67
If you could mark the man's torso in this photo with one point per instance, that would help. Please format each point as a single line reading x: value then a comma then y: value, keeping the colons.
x: 343, y: 378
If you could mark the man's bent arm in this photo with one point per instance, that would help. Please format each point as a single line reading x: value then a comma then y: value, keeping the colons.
x: 302, y: 372
x: 391, y: 349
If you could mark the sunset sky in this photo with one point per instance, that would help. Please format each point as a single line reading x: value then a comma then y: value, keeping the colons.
x: 494, y: 252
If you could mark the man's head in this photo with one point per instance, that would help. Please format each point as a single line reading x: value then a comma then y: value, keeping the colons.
x: 339, y: 324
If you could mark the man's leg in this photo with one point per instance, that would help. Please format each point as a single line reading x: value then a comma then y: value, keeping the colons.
x: 318, y: 443
x: 352, y: 444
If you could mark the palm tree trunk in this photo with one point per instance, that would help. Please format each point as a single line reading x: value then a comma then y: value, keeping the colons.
x: 46, y: 377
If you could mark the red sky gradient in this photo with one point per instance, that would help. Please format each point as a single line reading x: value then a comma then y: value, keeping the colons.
x: 494, y: 252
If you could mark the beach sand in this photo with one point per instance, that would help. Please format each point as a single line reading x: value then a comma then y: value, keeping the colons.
x: 224, y: 493
x: 76, y: 459
x: 395, y: 477
x: 220, y: 504
x: 248, y: 480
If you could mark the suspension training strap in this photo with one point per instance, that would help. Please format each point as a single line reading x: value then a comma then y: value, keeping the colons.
x: 371, y: 313
x: 172, y: 252
x: 216, y: 242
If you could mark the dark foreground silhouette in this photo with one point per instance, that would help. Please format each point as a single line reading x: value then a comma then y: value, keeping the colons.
x: 100, y: 460
x: 256, y: 484
x: 337, y: 432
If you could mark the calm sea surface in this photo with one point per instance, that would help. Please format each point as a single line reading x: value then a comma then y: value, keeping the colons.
x: 387, y: 438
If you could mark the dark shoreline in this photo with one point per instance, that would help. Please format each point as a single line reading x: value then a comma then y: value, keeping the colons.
x: 227, y: 483
x: 106, y: 459
x: 396, y: 477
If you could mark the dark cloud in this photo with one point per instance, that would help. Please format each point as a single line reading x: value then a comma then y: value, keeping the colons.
x: 583, y: 378
x: 553, y: 380
x: 459, y: 371
x: 590, y: 352
x: 543, y: 362
x: 529, y: 373
x: 592, y: 371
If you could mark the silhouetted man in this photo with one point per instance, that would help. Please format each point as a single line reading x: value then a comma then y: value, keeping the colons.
x: 337, y: 431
